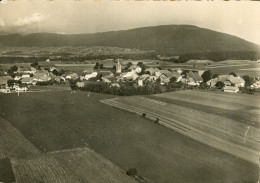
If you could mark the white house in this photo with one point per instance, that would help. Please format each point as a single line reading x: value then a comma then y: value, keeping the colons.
x: 92, y: 75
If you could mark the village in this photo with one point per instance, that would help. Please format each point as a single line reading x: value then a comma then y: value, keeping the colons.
x: 135, y: 76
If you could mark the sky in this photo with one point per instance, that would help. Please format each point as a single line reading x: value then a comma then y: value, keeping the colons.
x: 239, y: 18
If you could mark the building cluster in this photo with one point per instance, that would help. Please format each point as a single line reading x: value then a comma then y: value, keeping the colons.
x: 137, y: 74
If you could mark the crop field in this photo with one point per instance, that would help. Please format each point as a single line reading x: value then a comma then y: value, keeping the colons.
x: 59, y: 120
x: 76, y: 165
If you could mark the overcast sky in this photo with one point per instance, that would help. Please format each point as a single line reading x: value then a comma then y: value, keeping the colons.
x: 241, y: 19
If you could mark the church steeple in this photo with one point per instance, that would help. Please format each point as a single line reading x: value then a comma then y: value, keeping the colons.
x: 118, y: 67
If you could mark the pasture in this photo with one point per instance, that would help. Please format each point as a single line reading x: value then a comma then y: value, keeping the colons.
x: 194, y: 121
x: 58, y: 120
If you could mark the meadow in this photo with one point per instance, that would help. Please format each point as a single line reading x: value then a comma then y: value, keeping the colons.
x: 207, y: 126
x: 58, y: 120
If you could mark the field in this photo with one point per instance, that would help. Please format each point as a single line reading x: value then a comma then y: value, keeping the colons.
x: 212, y: 126
x: 58, y: 120
x: 76, y: 165
x: 9, y: 148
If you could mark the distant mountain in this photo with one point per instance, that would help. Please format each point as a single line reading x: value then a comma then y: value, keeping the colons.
x: 174, y: 39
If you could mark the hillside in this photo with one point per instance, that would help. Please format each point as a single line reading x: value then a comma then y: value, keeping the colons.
x: 174, y: 39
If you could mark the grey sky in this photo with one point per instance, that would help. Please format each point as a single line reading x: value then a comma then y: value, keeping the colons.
x: 70, y: 16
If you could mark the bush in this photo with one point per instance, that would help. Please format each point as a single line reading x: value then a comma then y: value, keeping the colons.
x: 131, y: 172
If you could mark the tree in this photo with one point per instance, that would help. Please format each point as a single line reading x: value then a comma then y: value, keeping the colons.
x: 55, y: 72
x: 220, y: 84
x: 34, y: 64
x: 206, y: 76
x: 173, y: 79
x: 131, y: 172
x: 248, y: 80
x: 96, y: 66
x: 129, y: 64
x: 101, y: 66
x: 12, y: 70
x: 215, y: 76
x: 232, y: 73
x: 141, y: 64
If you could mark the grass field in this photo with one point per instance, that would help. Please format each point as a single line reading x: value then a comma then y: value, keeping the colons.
x: 215, y: 130
x: 76, y: 165
x: 61, y: 120
x: 13, y: 143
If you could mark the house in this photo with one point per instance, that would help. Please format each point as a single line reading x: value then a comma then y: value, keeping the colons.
x: 228, y: 80
x: 194, y: 78
x: 28, y: 70
x: 140, y: 82
x: 152, y: 78
x: 105, y: 80
x: 179, y: 71
x: 212, y: 82
x: 17, y: 78
x: 152, y: 70
x: 80, y: 84
x: 173, y: 74
x: 231, y: 89
x: 42, y: 76
x: 136, y: 69
x: 164, y: 79
x: 21, y: 89
x: 256, y: 85
x: 26, y: 75
x: 72, y: 76
x: 237, y: 81
x: 92, y: 75
x: 144, y: 76
x: 58, y: 79
x: 27, y: 80
x: 115, y: 85
x: 5, y: 90
x: 160, y: 72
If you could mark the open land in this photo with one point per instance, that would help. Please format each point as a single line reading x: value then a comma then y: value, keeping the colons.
x: 58, y: 120
x: 22, y: 162
x: 213, y: 123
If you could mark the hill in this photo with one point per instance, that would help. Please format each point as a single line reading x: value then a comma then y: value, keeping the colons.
x: 174, y: 39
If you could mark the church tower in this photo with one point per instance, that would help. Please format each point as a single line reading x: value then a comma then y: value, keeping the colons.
x: 118, y: 67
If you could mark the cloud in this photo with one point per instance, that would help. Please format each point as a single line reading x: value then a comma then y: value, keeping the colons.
x: 29, y: 20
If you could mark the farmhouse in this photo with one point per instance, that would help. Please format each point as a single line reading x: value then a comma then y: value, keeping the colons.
x: 228, y: 80
x: 194, y: 78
